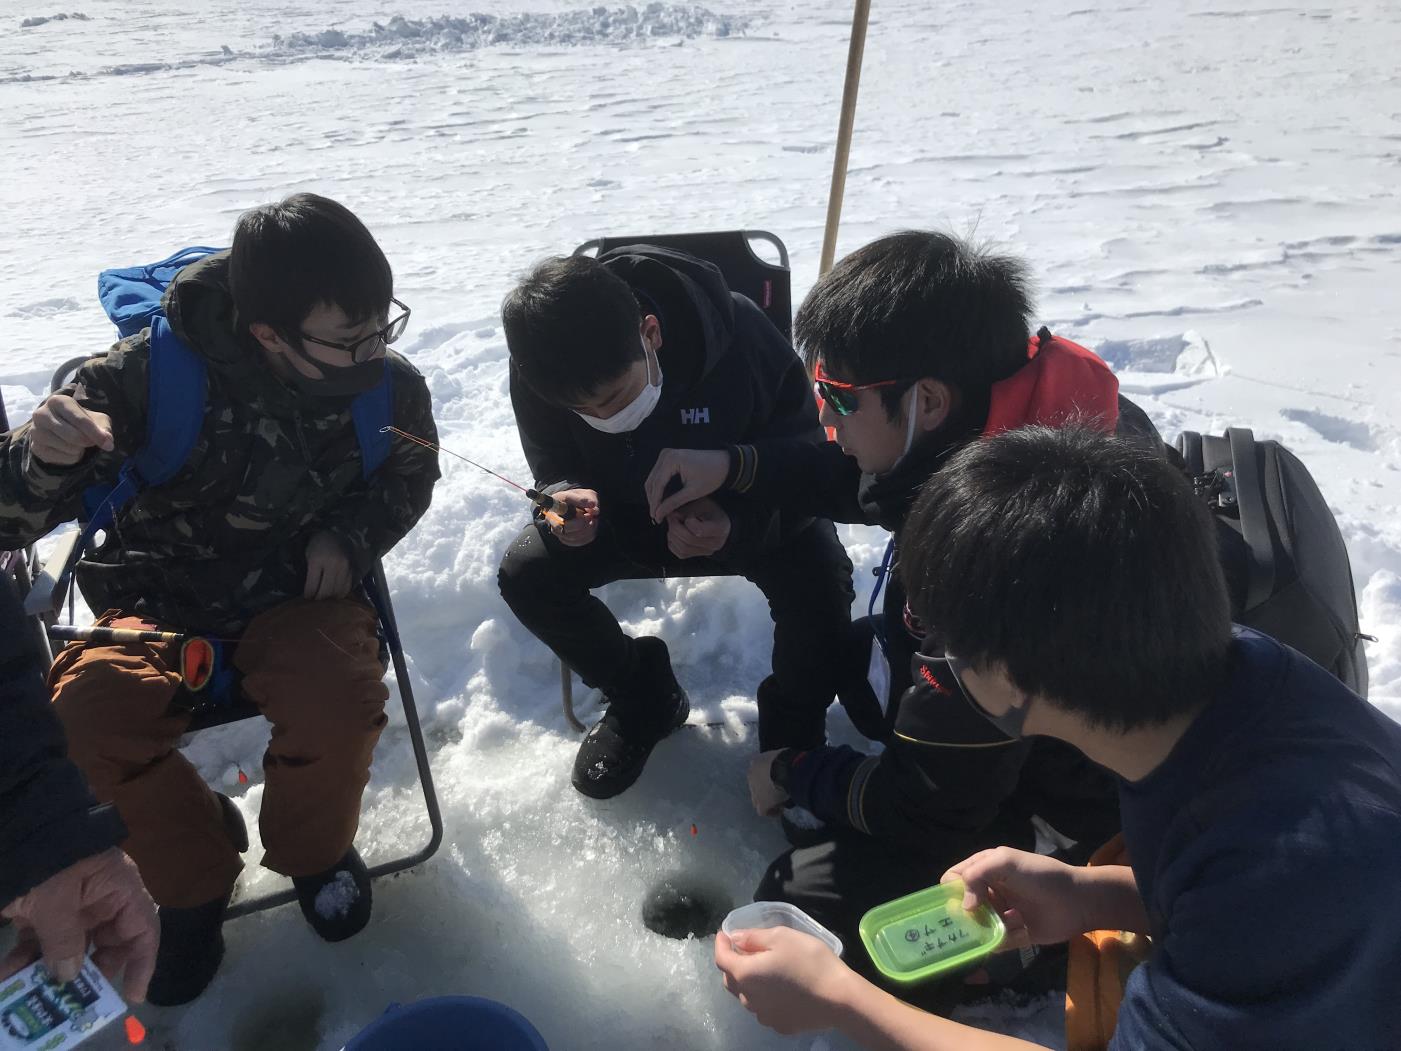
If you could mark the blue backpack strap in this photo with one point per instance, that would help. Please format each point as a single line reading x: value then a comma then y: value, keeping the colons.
x: 174, y: 409
x: 174, y: 416
x: 372, y: 412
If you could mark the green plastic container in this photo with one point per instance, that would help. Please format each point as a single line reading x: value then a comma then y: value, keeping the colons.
x: 928, y: 933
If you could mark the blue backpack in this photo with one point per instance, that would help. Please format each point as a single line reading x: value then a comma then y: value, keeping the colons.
x: 131, y: 298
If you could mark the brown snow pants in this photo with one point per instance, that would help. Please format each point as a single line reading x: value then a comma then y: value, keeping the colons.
x: 313, y: 670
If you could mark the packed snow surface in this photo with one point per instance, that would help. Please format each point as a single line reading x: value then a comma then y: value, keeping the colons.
x: 1206, y: 191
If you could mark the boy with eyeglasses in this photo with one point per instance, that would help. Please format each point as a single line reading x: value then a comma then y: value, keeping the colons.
x: 919, y: 345
x: 1074, y: 589
x: 260, y: 540
x: 613, y: 359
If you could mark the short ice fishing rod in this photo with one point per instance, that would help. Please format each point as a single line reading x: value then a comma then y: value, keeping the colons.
x: 555, y: 511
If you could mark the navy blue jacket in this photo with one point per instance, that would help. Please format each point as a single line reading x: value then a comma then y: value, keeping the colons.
x: 48, y: 818
x: 1267, y: 849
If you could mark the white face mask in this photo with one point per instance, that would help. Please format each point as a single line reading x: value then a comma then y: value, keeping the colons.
x: 631, y: 415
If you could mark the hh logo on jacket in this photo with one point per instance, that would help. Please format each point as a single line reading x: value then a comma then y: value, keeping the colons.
x: 696, y: 415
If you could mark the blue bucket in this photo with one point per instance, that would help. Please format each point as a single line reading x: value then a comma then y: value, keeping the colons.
x: 449, y: 1023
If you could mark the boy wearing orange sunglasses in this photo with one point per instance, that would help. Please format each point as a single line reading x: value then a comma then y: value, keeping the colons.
x: 918, y: 344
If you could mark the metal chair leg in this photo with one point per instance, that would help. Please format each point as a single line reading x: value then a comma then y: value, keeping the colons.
x: 566, y: 692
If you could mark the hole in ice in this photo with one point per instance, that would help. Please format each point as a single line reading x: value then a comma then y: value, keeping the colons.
x: 685, y: 906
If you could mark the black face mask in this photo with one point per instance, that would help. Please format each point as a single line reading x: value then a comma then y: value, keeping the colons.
x: 337, y: 382
x: 943, y: 674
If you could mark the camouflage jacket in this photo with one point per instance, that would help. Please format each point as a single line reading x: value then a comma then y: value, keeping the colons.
x: 226, y: 537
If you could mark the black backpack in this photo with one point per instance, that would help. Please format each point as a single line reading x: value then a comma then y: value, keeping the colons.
x: 1285, y: 562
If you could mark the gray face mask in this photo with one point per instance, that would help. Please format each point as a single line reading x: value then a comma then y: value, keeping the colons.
x: 944, y: 674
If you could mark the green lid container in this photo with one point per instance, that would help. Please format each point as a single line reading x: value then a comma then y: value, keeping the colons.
x: 928, y: 933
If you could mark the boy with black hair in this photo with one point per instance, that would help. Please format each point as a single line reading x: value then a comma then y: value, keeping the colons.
x: 919, y: 345
x: 262, y: 536
x: 613, y: 359
x: 1074, y: 590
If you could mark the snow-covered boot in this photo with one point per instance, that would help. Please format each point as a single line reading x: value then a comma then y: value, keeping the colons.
x: 192, y: 940
x: 649, y: 706
x: 336, y: 902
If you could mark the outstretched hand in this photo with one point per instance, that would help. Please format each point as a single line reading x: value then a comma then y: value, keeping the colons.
x: 98, y: 900
x: 697, y: 530
x: 789, y: 980
x: 581, y: 528
x: 328, y: 570
x: 1039, y: 899
x: 62, y: 431
x: 700, y: 472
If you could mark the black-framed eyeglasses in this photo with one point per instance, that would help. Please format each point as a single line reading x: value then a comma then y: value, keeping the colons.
x: 365, y: 348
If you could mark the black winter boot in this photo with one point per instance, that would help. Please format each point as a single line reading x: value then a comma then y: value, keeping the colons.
x: 648, y: 707
x: 336, y: 902
x: 192, y: 940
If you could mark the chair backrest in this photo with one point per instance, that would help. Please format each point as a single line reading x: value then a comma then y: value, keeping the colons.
x: 769, y: 285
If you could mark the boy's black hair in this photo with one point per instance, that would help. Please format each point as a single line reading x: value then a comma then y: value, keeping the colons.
x: 291, y: 256
x: 918, y: 304
x: 571, y: 326
x: 1083, y: 564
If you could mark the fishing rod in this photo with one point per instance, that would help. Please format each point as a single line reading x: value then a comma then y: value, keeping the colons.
x: 555, y: 511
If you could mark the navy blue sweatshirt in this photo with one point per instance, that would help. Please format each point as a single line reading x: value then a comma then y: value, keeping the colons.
x: 1267, y: 849
x: 48, y: 818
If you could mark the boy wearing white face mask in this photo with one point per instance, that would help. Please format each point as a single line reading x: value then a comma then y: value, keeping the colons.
x: 612, y: 360
x: 918, y: 344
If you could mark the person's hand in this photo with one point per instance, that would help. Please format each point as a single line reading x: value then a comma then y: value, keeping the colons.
x: 583, y: 527
x: 789, y: 980
x: 701, y: 471
x: 100, y: 900
x: 767, y: 797
x: 1039, y: 898
x: 698, y: 529
x: 328, y: 570
x: 62, y: 431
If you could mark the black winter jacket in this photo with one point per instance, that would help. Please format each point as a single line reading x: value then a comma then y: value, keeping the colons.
x: 728, y: 377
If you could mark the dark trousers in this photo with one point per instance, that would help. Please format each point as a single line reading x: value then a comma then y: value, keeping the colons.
x: 806, y: 578
x: 839, y: 880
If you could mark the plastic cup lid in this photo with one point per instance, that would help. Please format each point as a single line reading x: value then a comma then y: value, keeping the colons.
x: 760, y: 915
x: 929, y: 933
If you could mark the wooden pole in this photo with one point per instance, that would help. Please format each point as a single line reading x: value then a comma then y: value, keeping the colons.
x: 854, y: 55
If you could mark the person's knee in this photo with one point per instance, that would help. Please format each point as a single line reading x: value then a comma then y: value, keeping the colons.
x: 114, y: 707
x: 524, y: 574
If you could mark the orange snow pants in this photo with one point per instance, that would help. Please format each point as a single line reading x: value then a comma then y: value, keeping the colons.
x: 311, y: 667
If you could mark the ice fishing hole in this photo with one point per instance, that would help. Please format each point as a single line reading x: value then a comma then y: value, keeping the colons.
x: 685, y: 906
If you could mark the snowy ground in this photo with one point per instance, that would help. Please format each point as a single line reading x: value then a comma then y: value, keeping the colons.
x: 1208, y: 189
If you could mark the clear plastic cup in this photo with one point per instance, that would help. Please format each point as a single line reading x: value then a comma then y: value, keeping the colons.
x: 760, y: 915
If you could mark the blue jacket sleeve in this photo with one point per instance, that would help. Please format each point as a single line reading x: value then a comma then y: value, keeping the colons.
x: 48, y: 818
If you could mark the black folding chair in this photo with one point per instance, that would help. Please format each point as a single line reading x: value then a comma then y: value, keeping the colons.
x: 44, y: 591
x: 769, y: 285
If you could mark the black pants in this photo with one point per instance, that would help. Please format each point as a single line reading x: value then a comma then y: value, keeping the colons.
x: 840, y: 879
x: 806, y: 578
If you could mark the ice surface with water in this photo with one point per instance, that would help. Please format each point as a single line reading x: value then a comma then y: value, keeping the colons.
x: 1206, y: 191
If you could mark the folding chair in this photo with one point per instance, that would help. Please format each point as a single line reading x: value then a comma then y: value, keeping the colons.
x: 44, y: 589
x: 769, y: 285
